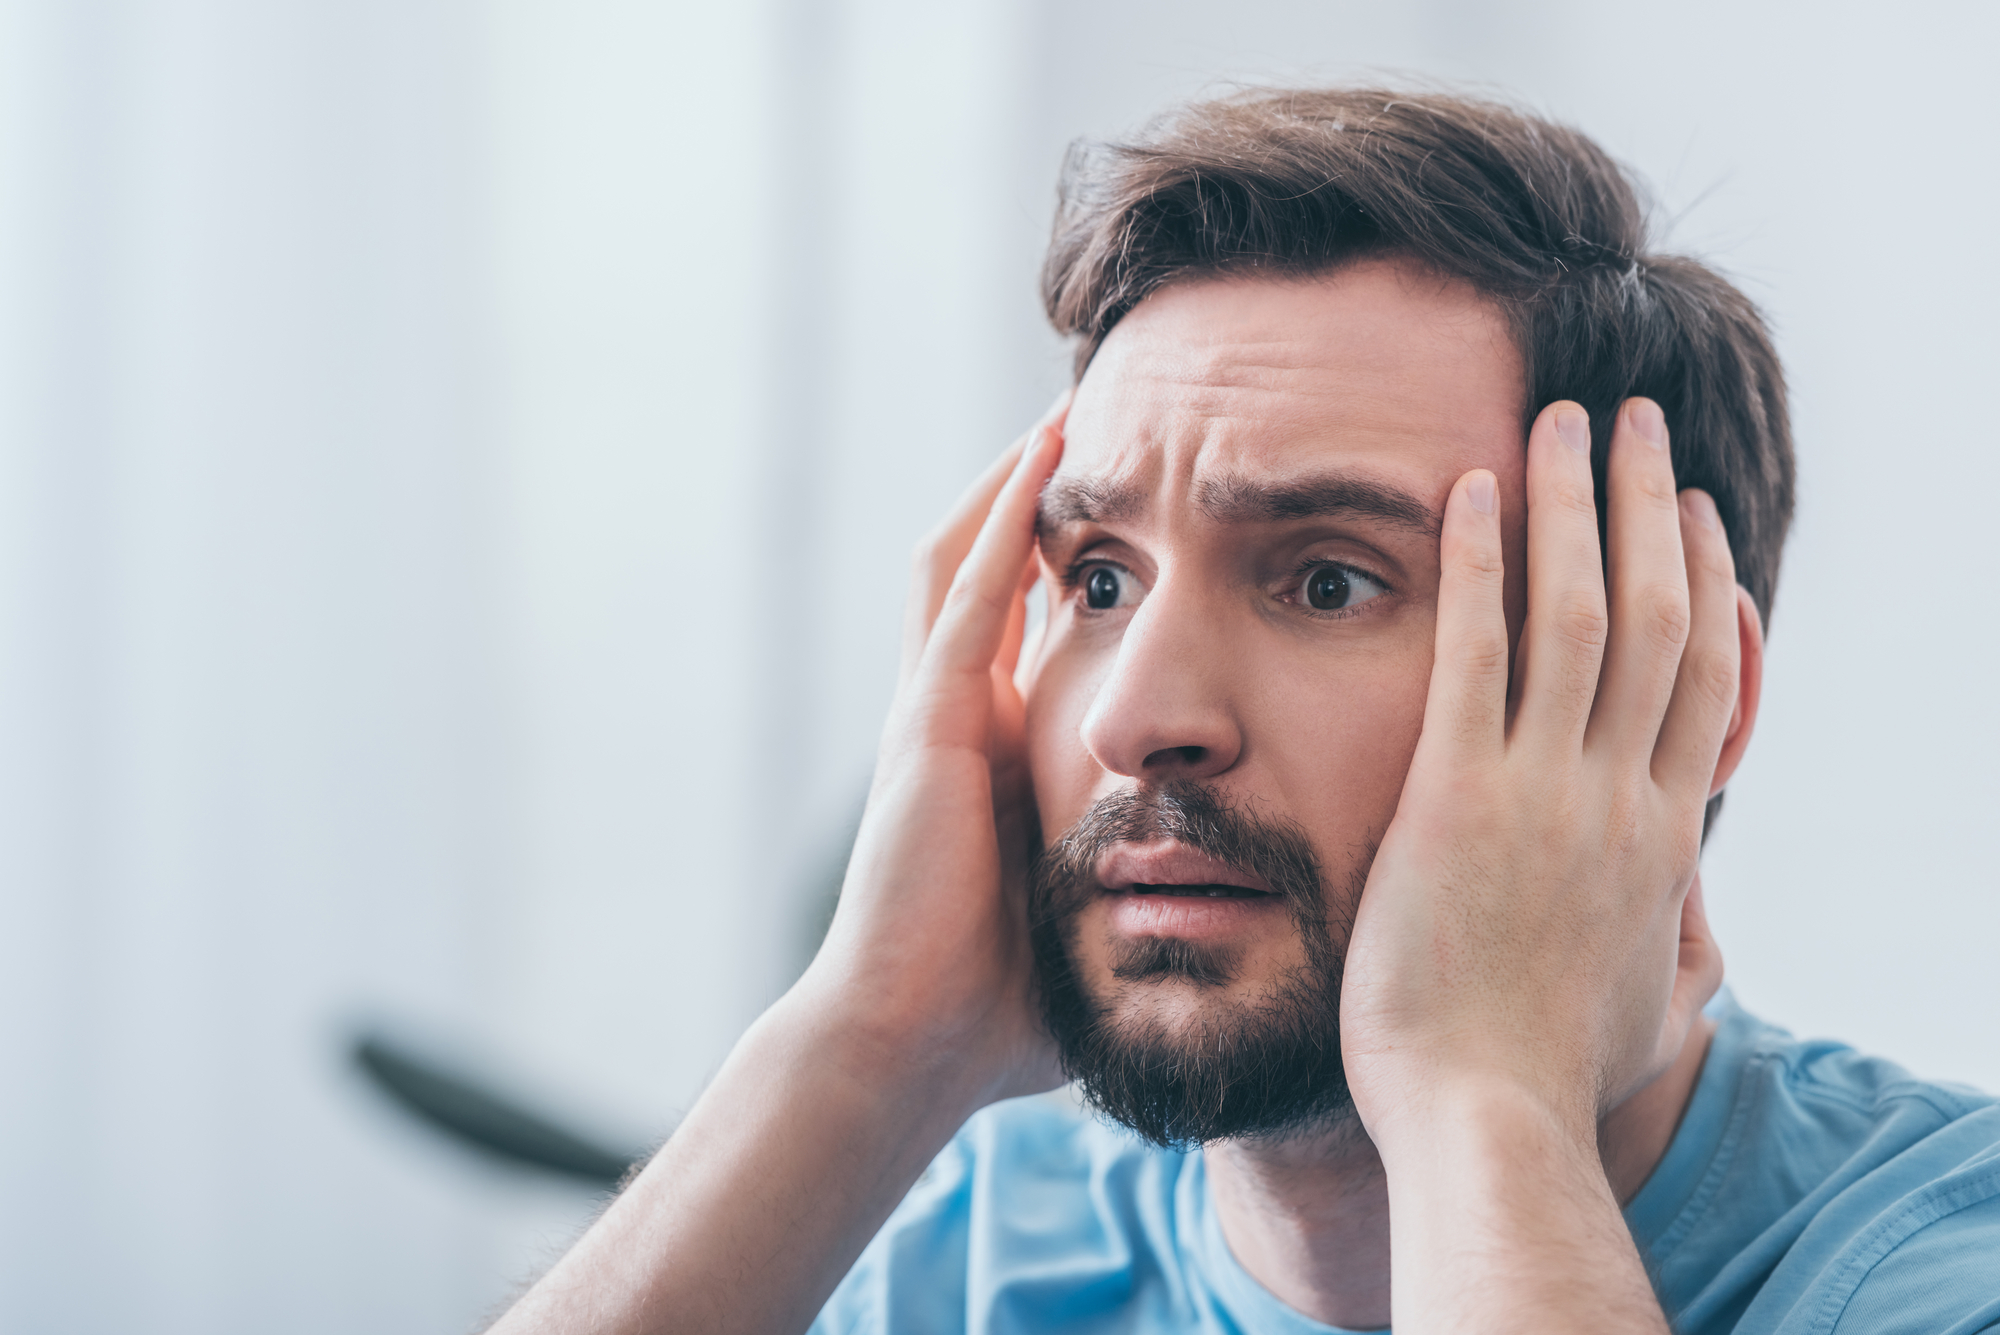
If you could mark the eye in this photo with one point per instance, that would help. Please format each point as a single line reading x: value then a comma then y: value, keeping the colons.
x: 1108, y: 586
x: 1326, y: 587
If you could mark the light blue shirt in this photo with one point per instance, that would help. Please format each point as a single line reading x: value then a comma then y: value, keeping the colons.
x: 1808, y: 1189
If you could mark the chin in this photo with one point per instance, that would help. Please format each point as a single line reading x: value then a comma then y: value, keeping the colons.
x: 1185, y: 1062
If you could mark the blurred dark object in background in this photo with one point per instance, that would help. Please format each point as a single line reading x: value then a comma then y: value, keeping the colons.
x: 467, y: 1110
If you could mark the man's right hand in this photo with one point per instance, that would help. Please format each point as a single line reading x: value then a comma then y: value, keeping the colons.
x: 918, y: 1011
x: 928, y: 954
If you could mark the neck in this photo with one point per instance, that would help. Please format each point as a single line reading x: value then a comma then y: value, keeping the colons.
x: 1308, y: 1216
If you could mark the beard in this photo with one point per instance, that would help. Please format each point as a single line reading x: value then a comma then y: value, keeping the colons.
x: 1262, y: 1068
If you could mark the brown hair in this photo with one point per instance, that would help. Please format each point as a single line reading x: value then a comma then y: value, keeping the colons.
x: 1531, y: 214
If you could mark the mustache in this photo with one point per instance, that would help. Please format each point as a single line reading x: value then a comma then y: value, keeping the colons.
x: 1063, y: 879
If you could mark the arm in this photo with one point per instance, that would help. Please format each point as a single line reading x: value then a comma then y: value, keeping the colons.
x: 1525, y: 955
x: 915, y: 1013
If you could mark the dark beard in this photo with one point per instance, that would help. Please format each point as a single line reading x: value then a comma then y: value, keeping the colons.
x: 1262, y: 1069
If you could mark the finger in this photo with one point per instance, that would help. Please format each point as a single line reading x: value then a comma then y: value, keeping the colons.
x: 1562, y: 644
x: 1017, y: 620
x: 965, y: 642
x: 1465, y: 713
x: 1705, y: 685
x: 937, y: 557
x: 1649, y: 587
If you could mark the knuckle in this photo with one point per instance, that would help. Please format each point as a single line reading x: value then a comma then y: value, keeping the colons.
x: 958, y: 593
x: 1663, y: 614
x: 1482, y: 655
x: 1480, y: 562
x: 971, y: 595
x: 1710, y: 676
x: 1578, y: 619
x: 1641, y: 833
x: 1656, y: 485
x: 1575, y: 497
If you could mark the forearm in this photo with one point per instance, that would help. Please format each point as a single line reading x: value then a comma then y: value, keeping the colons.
x: 748, y: 1217
x: 1502, y: 1220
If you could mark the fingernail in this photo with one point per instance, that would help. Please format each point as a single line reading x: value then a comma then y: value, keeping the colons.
x: 1573, y: 425
x: 1700, y: 507
x: 1647, y: 420
x: 1480, y: 492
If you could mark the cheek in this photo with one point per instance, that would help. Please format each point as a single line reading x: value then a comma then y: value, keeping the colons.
x: 1338, y: 739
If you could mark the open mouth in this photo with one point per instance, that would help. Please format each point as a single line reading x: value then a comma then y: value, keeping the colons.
x: 1168, y: 869
x: 1210, y: 891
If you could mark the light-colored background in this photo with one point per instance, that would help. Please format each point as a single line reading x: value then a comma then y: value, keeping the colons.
x: 456, y: 467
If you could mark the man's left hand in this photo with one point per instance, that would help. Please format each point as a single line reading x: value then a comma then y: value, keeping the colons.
x: 1524, y: 956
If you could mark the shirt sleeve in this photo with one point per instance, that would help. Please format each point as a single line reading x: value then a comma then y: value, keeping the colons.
x: 1936, y: 1274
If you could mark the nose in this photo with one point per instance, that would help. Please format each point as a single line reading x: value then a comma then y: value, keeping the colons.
x: 1165, y: 711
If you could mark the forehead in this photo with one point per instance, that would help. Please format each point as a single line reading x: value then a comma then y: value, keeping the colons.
x: 1379, y: 368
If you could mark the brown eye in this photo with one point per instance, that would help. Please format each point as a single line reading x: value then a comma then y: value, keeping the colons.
x: 1100, y: 588
x: 1327, y: 588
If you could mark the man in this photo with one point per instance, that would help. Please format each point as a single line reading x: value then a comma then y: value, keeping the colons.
x: 1337, y: 833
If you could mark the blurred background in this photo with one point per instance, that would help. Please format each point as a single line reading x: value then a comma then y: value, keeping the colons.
x: 457, y: 465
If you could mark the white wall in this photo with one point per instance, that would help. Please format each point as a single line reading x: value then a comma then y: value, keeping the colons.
x: 631, y: 215
x: 457, y: 465
x: 245, y: 657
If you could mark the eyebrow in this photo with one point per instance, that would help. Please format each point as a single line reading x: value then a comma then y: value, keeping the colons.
x: 1240, y: 500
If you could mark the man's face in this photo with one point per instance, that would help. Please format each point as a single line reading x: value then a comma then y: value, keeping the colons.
x: 1240, y: 553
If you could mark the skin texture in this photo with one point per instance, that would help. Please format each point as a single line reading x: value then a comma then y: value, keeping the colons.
x: 1529, y: 751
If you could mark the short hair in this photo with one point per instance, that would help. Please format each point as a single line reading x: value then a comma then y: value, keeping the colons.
x: 1531, y: 214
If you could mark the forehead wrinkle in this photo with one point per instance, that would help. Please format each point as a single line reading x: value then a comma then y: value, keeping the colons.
x: 1214, y: 384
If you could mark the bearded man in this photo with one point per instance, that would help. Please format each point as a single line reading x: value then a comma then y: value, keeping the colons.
x: 1407, y: 544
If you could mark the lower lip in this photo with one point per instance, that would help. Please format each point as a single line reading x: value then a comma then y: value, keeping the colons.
x: 1191, y: 916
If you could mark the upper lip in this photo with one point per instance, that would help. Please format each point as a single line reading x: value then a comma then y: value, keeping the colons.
x: 1123, y: 866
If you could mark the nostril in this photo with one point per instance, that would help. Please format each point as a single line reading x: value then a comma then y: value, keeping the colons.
x: 1189, y: 756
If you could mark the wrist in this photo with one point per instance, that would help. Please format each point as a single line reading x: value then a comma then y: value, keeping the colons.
x: 1496, y: 1190
x: 884, y: 1052
x: 1481, y: 1117
x: 804, y: 1142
